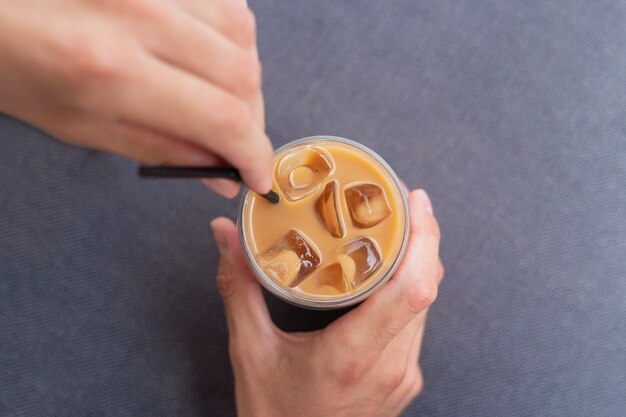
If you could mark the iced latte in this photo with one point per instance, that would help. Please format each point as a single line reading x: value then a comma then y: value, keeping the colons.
x: 338, y: 232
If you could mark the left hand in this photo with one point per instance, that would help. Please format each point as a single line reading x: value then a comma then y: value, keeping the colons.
x: 364, y: 364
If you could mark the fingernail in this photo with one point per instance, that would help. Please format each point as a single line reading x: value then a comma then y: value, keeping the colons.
x: 425, y: 200
x: 220, y: 239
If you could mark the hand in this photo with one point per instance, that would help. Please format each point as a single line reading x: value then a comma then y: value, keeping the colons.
x: 158, y: 81
x: 364, y: 364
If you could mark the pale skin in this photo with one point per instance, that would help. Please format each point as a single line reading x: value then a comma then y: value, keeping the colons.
x: 157, y: 81
x: 364, y: 364
x: 179, y: 82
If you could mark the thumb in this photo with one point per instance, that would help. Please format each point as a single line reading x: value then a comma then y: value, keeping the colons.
x: 246, y: 310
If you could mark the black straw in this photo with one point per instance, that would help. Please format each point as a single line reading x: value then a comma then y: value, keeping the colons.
x: 271, y: 196
x: 146, y: 171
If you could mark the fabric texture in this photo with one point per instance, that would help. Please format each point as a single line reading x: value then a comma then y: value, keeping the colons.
x: 512, y: 115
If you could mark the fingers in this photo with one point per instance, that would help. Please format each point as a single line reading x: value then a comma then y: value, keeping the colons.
x: 392, y: 365
x: 202, y: 50
x: 226, y: 188
x: 419, y: 324
x: 148, y: 146
x: 400, y: 372
x: 155, y: 66
x: 257, y: 107
x: 131, y: 141
x: 416, y: 343
x: 369, y: 328
x: 187, y: 79
x: 207, y: 116
x: 413, y: 381
x: 441, y: 271
x: 246, y: 311
x: 142, y: 145
x: 231, y: 18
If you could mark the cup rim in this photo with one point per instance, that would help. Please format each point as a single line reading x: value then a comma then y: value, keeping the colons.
x: 356, y: 297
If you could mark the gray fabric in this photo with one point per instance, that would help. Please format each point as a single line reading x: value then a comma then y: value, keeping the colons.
x: 511, y: 114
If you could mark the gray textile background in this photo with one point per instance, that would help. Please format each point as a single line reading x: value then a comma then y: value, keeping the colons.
x: 511, y: 114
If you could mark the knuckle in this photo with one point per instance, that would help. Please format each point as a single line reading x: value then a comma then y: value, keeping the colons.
x: 264, y: 154
x: 432, y: 228
x: 419, y: 297
x: 119, y: 6
x: 146, y: 8
x: 238, y: 19
x: 351, y: 372
x: 141, y: 4
x: 427, y: 227
x: 418, y: 385
x: 395, y: 379
x: 347, y: 366
x: 441, y: 272
x: 93, y: 57
x: 225, y: 284
x: 409, y: 378
x: 234, y: 118
x: 248, y: 74
x: 246, y: 25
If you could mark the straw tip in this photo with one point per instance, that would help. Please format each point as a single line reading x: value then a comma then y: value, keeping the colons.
x: 271, y: 196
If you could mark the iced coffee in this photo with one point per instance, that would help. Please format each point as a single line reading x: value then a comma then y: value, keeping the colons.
x: 339, y: 229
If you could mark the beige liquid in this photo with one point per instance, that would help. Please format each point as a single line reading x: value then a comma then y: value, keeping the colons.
x: 268, y: 222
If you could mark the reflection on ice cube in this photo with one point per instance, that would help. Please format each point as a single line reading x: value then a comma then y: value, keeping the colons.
x: 359, y: 259
x: 302, y: 171
x: 332, y: 280
x: 290, y: 259
x: 328, y: 209
x: 367, y: 204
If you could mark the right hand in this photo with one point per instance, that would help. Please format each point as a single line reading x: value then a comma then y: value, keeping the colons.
x: 158, y: 81
x: 365, y: 364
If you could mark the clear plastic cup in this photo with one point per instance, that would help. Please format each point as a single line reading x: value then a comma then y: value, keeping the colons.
x: 389, y: 265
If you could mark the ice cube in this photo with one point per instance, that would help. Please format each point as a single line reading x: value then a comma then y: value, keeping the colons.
x: 359, y: 259
x: 301, y: 172
x: 282, y: 266
x: 332, y: 280
x: 290, y: 259
x: 328, y: 209
x: 367, y: 204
